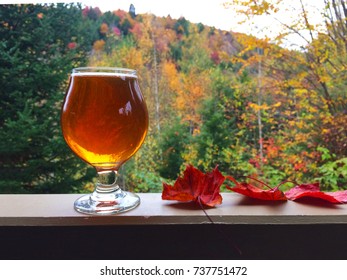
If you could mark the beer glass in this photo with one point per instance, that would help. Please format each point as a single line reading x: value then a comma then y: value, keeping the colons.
x: 104, y: 120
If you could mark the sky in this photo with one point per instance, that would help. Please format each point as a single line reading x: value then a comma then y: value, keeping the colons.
x: 208, y: 12
x: 214, y: 13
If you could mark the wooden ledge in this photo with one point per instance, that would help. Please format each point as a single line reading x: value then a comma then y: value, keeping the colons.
x: 57, y: 210
x: 47, y: 227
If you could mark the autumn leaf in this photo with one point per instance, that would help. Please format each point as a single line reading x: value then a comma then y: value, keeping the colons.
x: 256, y: 192
x: 196, y: 186
x: 205, y: 189
x: 313, y: 191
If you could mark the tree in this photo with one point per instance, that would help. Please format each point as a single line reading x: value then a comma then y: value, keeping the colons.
x: 40, y: 46
x: 322, y: 44
x: 222, y: 139
x: 311, y: 81
x: 173, y: 142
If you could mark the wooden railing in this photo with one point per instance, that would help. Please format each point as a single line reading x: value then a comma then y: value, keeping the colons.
x: 47, y: 226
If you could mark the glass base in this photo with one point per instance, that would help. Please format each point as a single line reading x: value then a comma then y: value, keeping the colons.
x: 107, y: 203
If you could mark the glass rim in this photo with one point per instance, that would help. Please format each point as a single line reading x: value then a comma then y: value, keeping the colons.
x: 94, y: 70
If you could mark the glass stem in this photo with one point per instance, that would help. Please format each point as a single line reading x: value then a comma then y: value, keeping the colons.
x: 107, y: 181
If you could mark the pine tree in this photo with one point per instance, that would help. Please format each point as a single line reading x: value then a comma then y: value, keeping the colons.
x: 39, y: 47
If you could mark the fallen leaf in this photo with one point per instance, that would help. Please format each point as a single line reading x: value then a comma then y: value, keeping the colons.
x: 313, y: 190
x: 196, y: 186
x: 256, y: 192
x: 205, y: 189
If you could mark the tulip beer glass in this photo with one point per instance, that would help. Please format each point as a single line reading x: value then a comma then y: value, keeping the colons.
x: 104, y: 121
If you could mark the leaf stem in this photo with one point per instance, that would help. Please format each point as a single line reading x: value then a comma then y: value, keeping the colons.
x: 286, y: 181
x: 259, y: 181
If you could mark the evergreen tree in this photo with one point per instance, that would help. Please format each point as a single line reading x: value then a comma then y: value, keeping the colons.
x: 221, y: 141
x: 173, y: 140
x: 40, y: 45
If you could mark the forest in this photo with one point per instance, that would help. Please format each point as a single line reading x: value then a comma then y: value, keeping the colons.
x: 215, y: 97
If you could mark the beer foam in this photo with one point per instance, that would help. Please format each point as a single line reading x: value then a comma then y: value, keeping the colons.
x: 106, y: 74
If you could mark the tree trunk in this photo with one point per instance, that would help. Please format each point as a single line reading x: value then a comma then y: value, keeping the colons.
x: 260, y: 99
x: 155, y: 84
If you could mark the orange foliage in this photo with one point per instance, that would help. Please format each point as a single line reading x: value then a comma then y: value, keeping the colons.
x: 103, y: 28
x: 272, y: 150
x: 98, y: 45
x: 190, y: 97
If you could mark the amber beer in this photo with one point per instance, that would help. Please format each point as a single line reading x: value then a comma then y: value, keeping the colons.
x: 104, y: 118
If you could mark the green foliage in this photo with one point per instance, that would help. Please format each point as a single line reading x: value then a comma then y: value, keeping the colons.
x: 182, y: 26
x: 125, y: 26
x: 111, y: 19
x: 201, y: 27
x: 140, y: 172
x: 42, y: 43
x: 333, y: 173
x: 220, y: 141
x: 176, y: 50
x: 144, y: 181
x: 173, y: 140
x: 273, y: 176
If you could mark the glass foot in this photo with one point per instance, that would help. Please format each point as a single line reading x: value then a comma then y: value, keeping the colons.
x: 107, y: 203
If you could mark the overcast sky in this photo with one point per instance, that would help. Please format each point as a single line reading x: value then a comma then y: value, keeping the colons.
x: 208, y: 12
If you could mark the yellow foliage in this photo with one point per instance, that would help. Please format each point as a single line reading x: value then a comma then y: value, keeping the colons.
x: 257, y: 107
x: 300, y: 124
x: 312, y: 109
x: 170, y: 74
x: 190, y: 94
x: 300, y: 91
x: 134, y: 59
x: 301, y: 137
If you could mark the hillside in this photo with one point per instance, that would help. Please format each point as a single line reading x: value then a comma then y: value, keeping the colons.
x: 215, y: 98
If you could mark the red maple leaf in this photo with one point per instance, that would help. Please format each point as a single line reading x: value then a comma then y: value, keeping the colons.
x: 256, y: 192
x: 196, y: 186
x: 313, y: 191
